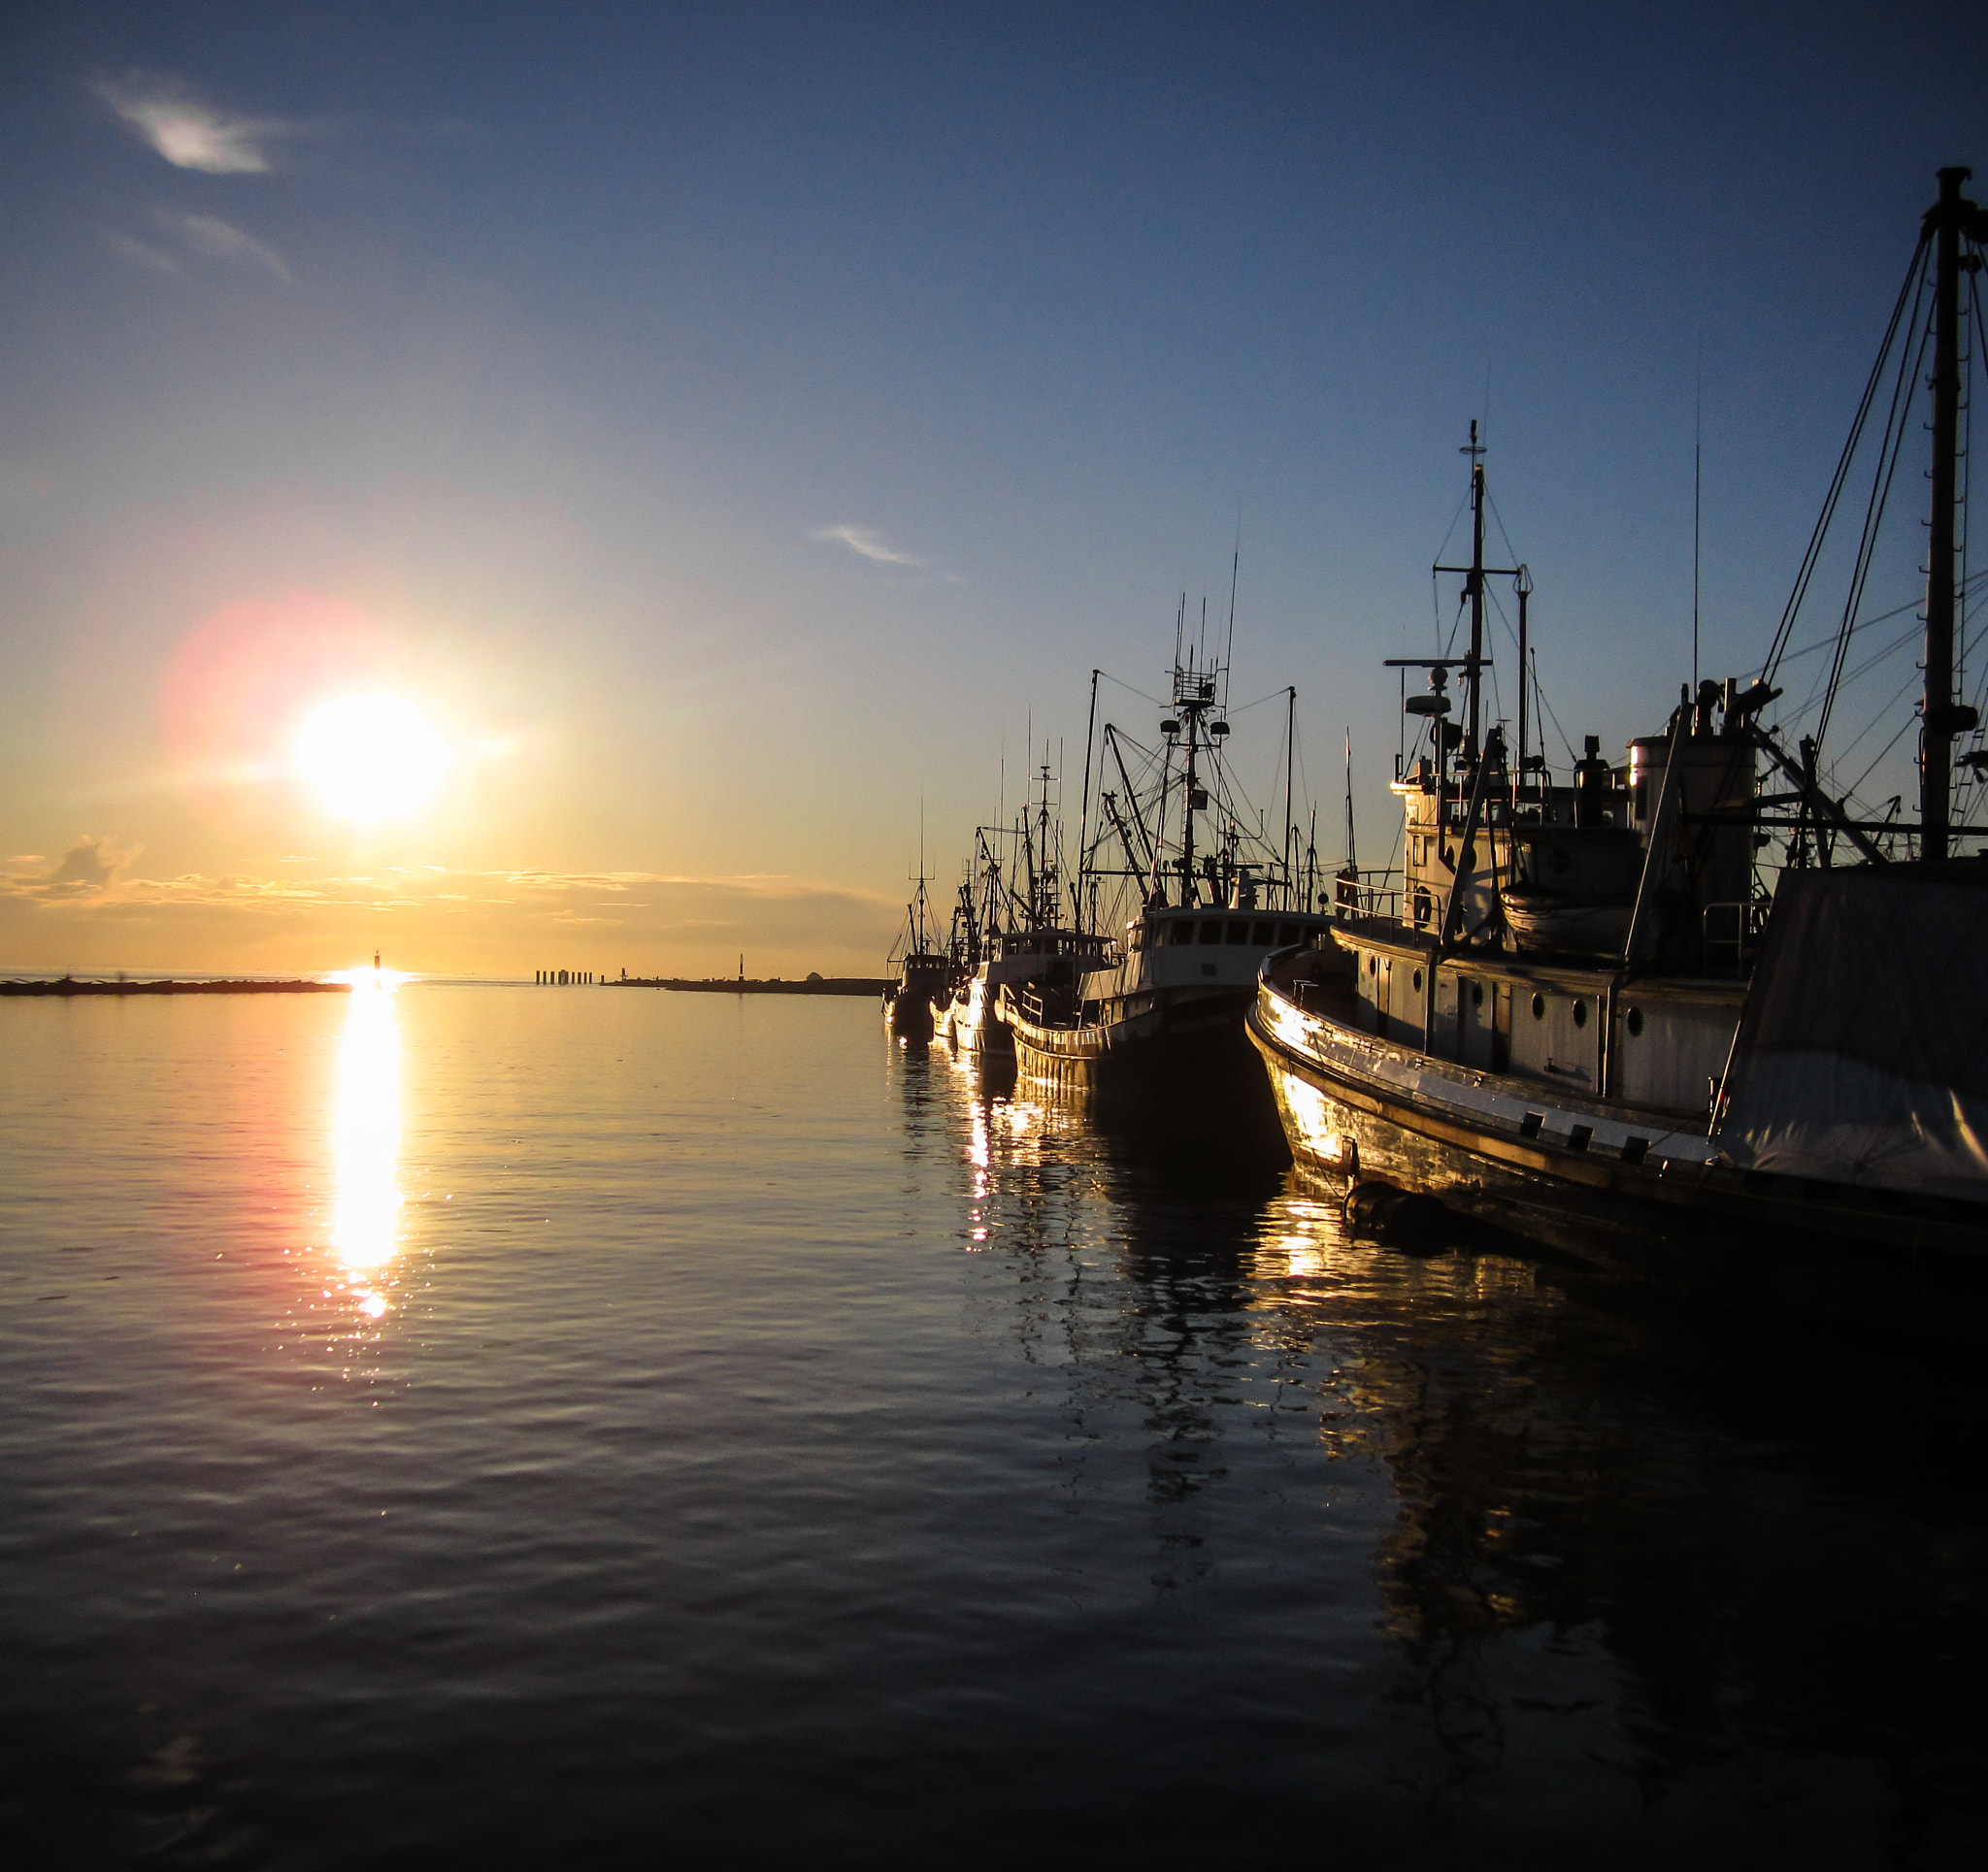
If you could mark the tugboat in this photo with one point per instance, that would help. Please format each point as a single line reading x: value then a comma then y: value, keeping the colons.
x: 1588, y: 1020
x: 1163, y: 1019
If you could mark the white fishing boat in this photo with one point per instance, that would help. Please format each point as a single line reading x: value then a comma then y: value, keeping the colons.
x: 1693, y: 1013
x: 1204, y: 895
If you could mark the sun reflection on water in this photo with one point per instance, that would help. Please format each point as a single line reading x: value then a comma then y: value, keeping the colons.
x: 365, y: 1223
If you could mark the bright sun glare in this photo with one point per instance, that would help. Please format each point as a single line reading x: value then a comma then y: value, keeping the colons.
x: 372, y: 757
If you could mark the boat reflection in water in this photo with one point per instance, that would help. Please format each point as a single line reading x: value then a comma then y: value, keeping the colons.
x: 366, y: 1128
x: 1498, y: 1557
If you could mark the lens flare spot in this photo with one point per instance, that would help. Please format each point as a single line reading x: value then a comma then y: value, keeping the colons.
x: 370, y: 758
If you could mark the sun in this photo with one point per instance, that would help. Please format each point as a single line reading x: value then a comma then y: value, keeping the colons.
x: 370, y: 758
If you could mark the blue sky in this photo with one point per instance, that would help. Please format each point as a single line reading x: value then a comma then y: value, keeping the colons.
x: 740, y: 424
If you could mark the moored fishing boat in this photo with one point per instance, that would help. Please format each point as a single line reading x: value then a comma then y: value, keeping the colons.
x: 1205, y: 898
x: 1010, y: 930
x: 1602, y: 1014
x: 921, y: 974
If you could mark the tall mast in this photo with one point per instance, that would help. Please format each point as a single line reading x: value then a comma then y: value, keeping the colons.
x: 1474, y: 587
x: 1083, y: 822
x: 1043, y: 907
x: 1939, y: 718
x: 1187, y: 891
x: 1523, y: 584
x: 1290, y: 829
x: 1353, y: 854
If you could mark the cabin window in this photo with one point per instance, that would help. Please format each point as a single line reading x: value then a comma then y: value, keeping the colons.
x: 1635, y: 1021
x: 1418, y: 981
x: 1287, y: 934
x: 1211, y: 930
x: 1580, y: 1013
x: 1239, y: 933
x: 1539, y: 1007
x: 1264, y: 934
x: 1180, y: 933
x: 1373, y: 967
x: 1138, y: 937
x: 1477, y: 993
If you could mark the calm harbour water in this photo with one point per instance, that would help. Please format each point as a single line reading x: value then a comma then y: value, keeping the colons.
x: 580, y: 1428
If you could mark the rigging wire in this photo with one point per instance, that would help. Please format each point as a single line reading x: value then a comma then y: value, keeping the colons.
x: 1823, y: 690
x: 1555, y: 720
x: 1911, y: 292
x: 1912, y: 604
x: 1463, y: 507
x: 1905, y: 728
x: 1275, y: 695
x: 1894, y: 441
x: 1962, y: 595
x: 1511, y: 550
x: 1157, y: 702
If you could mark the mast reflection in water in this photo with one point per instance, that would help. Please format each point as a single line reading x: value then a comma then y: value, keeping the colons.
x: 1538, y: 1558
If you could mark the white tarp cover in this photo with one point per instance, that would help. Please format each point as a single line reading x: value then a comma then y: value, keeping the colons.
x: 1863, y: 1053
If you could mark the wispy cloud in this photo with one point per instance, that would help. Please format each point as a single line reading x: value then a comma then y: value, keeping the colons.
x: 189, y: 134
x: 89, y: 911
x: 87, y: 870
x: 221, y: 240
x: 206, y: 236
x: 91, y: 873
x: 862, y: 540
x: 140, y: 253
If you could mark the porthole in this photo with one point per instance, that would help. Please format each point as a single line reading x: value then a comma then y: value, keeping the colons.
x: 1418, y: 981
x: 1477, y: 993
x: 1373, y: 967
x: 1539, y: 1007
x: 1635, y: 1021
x: 1580, y: 1013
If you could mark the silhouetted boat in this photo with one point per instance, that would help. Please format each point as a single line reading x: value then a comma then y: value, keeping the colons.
x: 1581, y: 1019
x: 1160, y: 1015
x: 1010, y: 931
x: 922, y: 975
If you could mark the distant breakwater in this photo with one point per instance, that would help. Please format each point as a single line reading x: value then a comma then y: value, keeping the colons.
x: 723, y: 985
x: 67, y: 985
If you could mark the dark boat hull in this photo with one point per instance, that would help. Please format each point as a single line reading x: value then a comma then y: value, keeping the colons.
x: 1625, y: 1196
x: 1184, y: 1051
x: 909, y: 1014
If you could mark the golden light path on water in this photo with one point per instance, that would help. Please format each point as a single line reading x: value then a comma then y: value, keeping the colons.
x: 365, y: 1222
